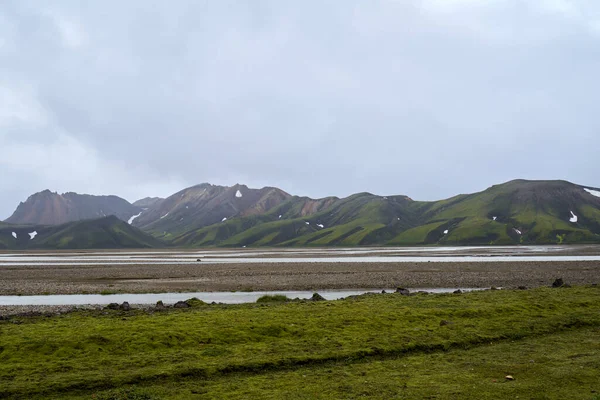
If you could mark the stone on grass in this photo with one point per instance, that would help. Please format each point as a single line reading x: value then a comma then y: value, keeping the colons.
x: 317, y: 297
x: 558, y: 283
x: 181, y: 304
x: 125, y: 306
x: 113, y: 306
x: 403, y: 291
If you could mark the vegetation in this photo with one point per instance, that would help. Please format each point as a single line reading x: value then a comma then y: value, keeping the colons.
x: 107, y: 232
x: 377, y: 346
x: 539, y: 210
x: 271, y: 298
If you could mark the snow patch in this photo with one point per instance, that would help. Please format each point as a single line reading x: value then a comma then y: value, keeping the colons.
x: 186, y: 207
x: 385, y: 198
x: 32, y: 235
x: 446, y: 232
x: 573, y: 218
x: 518, y: 231
x: 14, y: 234
x: 164, y: 216
x: 224, y: 219
x: 307, y: 223
x: 494, y: 218
x: 592, y: 192
x: 320, y: 226
x: 130, y: 221
x: 238, y: 194
x: 280, y: 217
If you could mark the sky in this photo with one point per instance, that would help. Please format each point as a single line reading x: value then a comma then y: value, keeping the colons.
x: 427, y: 98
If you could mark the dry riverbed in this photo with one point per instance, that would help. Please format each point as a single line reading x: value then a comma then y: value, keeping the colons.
x: 138, y: 278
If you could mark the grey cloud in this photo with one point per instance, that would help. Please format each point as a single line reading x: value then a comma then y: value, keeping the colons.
x: 426, y: 98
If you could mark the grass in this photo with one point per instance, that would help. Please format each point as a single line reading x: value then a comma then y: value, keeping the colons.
x: 379, y: 346
x: 272, y: 298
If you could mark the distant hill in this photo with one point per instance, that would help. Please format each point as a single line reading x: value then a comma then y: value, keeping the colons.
x: 203, y: 205
x: 103, y: 233
x: 148, y: 202
x: 48, y: 208
x: 517, y: 212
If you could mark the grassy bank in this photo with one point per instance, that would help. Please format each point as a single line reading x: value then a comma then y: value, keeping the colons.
x: 378, y: 346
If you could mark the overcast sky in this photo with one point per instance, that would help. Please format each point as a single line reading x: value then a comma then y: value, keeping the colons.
x: 428, y: 98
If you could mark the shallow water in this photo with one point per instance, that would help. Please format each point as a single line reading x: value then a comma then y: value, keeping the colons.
x: 171, y: 298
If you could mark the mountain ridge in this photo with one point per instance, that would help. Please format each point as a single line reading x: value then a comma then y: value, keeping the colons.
x: 515, y: 212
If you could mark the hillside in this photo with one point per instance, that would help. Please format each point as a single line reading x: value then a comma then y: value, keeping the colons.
x: 203, y: 205
x: 103, y: 233
x: 49, y: 208
x: 517, y: 212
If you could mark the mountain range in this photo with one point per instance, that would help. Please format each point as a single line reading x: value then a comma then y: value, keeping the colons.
x: 516, y: 212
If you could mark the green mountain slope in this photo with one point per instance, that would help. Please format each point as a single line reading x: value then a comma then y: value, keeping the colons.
x: 527, y: 212
x: 109, y: 232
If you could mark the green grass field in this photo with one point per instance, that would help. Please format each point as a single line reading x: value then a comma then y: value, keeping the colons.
x: 378, y: 346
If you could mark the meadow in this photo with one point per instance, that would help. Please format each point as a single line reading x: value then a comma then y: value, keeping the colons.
x: 373, y: 346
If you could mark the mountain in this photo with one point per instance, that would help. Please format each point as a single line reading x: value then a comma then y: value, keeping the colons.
x: 103, y: 233
x: 517, y: 212
x: 48, y: 208
x: 203, y: 205
x: 148, y: 202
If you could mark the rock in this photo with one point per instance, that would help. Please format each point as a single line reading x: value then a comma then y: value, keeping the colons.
x: 509, y: 378
x: 199, y: 260
x: 444, y: 322
x: 522, y: 288
x: 403, y: 292
x: 458, y: 291
x: 317, y: 297
x: 112, y: 306
x: 125, y: 306
x: 160, y: 305
x: 493, y: 288
x: 383, y: 292
x: 558, y: 283
x: 181, y: 304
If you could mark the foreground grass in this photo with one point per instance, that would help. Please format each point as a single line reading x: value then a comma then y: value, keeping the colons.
x: 342, y: 349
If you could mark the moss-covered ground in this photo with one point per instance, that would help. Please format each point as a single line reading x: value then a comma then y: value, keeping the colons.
x: 378, y: 346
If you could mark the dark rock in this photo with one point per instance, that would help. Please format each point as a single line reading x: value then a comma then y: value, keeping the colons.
x: 199, y: 260
x: 112, y: 306
x: 403, y: 292
x: 125, y: 306
x: 522, y: 288
x: 181, y: 304
x: 493, y: 288
x: 458, y: 291
x: 558, y: 283
x: 383, y: 292
x: 444, y: 322
x: 317, y: 297
x: 160, y: 305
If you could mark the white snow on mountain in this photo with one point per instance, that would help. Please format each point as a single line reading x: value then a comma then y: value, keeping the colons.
x: 573, y: 218
x: 592, y: 192
x: 130, y: 221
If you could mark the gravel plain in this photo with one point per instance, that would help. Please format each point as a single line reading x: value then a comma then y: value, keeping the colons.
x: 40, y: 279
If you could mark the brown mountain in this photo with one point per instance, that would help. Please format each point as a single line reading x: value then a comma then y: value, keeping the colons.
x: 148, y: 202
x: 49, y: 208
x: 202, y: 205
